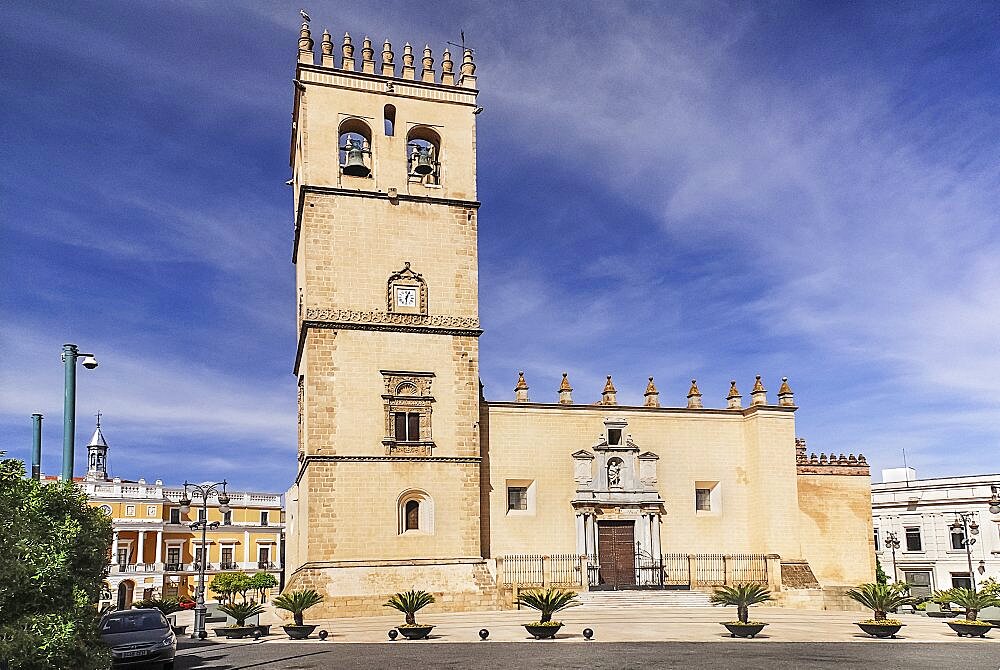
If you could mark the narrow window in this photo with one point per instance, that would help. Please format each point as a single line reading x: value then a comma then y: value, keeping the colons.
x: 517, y: 497
x: 412, y: 515
x: 227, y: 558
x: 913, y: 539
x: 264, y: 518
x: 614, y: 436
x: 957, y: 538
x: 123, y: 556
x: 390, y: 120
x: 877, y: 545
x: 173, y: 558
x: 264, y: 557
x: 703, y: 500
x: 202, y: 514
x: 407, y: 426
x: 175, y: 515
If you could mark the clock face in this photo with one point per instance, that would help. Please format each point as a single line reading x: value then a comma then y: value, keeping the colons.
x: 406, y: 296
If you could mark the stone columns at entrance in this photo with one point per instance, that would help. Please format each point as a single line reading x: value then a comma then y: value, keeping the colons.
x: 159, y: 547
x: 114, y: 549
x: 140, y: 556
x: 655, y: 520
x: 581, y: 536
x: 591, y: 534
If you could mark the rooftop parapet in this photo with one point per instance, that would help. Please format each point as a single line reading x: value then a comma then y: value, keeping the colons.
x: 829, y: 464
x: 387, y: 68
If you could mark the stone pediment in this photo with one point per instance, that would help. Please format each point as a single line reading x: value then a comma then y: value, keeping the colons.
x: 583, y: 453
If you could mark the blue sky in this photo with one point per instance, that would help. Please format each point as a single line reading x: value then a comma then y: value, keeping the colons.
x: 710, y: 190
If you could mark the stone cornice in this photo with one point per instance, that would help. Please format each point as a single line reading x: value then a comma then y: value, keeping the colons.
x: 611, y: 409
x: 305, y: 189
x: 349, y: 319
x: 468, y: 460
x: 397, y: 87
x: 843, y: 470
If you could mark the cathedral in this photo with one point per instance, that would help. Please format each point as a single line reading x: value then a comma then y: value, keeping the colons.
x: 408, y: 478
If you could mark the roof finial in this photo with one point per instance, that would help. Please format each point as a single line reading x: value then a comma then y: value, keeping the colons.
x: 367, y: 56
x: 609, y: 395
x: 99, y: 418
x: 326, y: 47
x: 409, y: 72
x: 565, y: 391
x: 758, y: 396
x: 468, y: 79
x: 347, y: 62
x: 735, y: 400
x: 785, y: 396
x: 305, y: 44
x: 694, y: 396
x: 447, y: 69
x: 388, y: 68
x: 652, y: 395
x: 521, y: 390
x: 428, y: 62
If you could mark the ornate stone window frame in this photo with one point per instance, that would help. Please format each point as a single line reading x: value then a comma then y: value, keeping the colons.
x: 406, y: 278
x: 408, y: 392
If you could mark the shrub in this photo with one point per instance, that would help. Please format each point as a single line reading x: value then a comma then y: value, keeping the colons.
x: 741, y: 596
x: 261, y: 583
x: 167, y: 606
x: 53, y: 558
x: 241, y: 611
x: 297, y: 602
x: 881, y: 598
x: 547, y: 602
x: 971, y: 601
x: 409, y: 603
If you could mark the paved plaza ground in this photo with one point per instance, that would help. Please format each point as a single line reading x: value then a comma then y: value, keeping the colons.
x: 625, y: 637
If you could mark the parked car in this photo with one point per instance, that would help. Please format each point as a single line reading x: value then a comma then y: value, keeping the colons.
x: 139, y: 637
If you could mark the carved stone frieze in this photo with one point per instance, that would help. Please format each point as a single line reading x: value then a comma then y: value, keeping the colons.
x: 390, y: 318
x: 408, y: 449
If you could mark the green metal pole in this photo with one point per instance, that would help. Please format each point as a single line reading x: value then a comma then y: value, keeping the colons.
x: 69, y: 355
x: 36, y: 446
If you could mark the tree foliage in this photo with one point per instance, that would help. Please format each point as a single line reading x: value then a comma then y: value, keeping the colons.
x: 881, y: 598
x: 53, y: 561
x: 261, y: 583
x: 547, y: 602
x: 297, y: 602
x: 741, y: 596
x: 409, y: 603
x: 880, y: 576
x: 226, y: 585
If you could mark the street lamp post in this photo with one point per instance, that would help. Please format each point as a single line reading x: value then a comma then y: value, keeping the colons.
x: 995, y: 499
x: 966, y: 521
x: 69, y: 355
x: 892, y: 541
x: 204, y: 490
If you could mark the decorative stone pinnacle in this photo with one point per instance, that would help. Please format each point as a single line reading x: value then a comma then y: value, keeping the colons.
x: 407, y: 55
x: 734, y: 399
x: 785, y: 396
x: 521, y: 390
x: 348, y: 48
x: 564, y: 386
x: 608, y: 396
x: 758, y: 396
x: 468, y: 66
x: 609, y: 387
x: 758, y: 385
x: 694, y: 396
x: 651, y: 394
x: 305, y: 39
x: 367, y: 53
x: 387, y: 54
x: 733, y: 391
x: 447, y: 65
x: 327, y: 44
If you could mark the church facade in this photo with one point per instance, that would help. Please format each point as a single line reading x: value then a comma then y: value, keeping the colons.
x: 408, y: 478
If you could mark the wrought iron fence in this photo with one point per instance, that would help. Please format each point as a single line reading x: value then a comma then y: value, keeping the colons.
x: 524, y: 569
x: 564, y: 569
x: 710, y: 569
x: 748, y: 568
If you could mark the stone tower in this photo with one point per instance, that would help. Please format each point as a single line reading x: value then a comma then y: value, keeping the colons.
x: 385, y: 249
x: 97, y: 454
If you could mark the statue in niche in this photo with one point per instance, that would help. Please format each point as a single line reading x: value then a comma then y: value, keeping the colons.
x: 615, y: 472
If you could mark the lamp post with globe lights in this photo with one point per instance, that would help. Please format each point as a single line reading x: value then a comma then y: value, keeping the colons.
x: 892, y: 541
x: 204, y: 490
x: 966, y: 522
x: 995, y: 499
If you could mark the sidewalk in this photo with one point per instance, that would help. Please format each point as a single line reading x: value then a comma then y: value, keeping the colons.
x: 637, y: 624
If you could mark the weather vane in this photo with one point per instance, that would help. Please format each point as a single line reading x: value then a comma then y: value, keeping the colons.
x: 462, y: 45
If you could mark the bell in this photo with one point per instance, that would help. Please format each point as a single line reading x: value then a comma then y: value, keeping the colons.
x: 422, y: 160
x: 355, y: 166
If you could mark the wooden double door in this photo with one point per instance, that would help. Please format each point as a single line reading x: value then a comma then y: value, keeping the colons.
x: 616, y: 554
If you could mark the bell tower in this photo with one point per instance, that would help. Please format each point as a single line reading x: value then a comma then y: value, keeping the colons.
x: 387, y: 493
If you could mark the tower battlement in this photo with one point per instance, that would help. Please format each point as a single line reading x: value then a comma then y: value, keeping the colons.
x: 347, y: 61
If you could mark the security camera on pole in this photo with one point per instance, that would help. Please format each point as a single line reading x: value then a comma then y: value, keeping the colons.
x: 69, y: 355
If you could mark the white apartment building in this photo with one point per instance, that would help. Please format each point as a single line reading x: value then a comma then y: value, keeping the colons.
x: 924, y: 517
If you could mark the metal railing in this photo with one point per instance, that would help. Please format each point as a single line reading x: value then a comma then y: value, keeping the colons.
x: 524, y: 569
x: 174, y: 567
x: 748, y: 568
x: 710, y: 569
x: 564, y: 569
x: 229, y: 565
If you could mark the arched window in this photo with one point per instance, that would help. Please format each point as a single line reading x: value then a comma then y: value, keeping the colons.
x: 354, y: 143
x: 390, y: 120
x: 423, y: 150
x: 416, y: 512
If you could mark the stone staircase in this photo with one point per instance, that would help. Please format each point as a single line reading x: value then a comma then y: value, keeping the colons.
x: 644, y: 599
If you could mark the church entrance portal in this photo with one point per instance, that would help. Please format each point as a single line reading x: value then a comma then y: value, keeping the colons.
x: 616, y: 554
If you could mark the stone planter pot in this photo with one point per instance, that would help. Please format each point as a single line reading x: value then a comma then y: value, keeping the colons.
x: 969, y: 629
x: 299, y: 632
x: 881, y: 630
x: 744, y: 629
x: 542, y: 632
x: 415, y: 632
x: 235, y: 632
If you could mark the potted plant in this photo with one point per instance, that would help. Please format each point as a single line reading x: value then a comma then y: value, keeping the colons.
x: 298, y: 602
x: 972, y: 601
x: 409, y: 603
x: 241, y: 612
x: 742, y: 596
x: 881, y: 598
x: 547, y: 602
x: 186, y: 603
x: 167, y: 606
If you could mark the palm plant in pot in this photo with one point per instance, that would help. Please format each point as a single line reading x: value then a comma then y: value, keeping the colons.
x: 742, y: 596
x: 547, y: 602
x: 241, y: 612
x: 409, y: 603
x: 881, y: 598
x: 972, y: 602
x: 167, y: 606
x: 298, y: 602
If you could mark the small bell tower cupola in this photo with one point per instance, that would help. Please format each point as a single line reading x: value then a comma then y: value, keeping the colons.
x: 97, y: 454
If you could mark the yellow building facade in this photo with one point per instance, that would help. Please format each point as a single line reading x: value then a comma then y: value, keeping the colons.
x: 409, y: 478
x: 156, y: 554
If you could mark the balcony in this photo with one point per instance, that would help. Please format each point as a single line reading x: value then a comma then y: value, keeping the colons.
x: 122, y: 568
x: 175, y: 567
x: 266, y: 565
x: 228, y: 566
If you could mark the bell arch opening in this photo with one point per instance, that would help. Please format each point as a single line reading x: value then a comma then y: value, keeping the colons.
x: 354, y: 143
